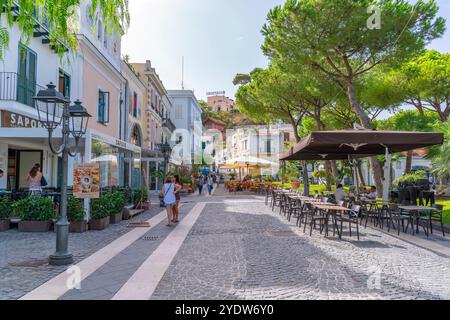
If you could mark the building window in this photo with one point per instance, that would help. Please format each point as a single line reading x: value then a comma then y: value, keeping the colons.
x: 103, y: 107
x: 64, y: 83
x: 26, y: 78
x: 100, y: 31
x: 268, y: 145
x: 135, y: 105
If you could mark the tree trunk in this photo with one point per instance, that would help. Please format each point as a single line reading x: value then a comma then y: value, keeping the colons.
x: 334, y: 169
x: 304, y: 163
x: 365, y: 122
x: 328, y: 174
x: 360, y: 173
x: 408, y: 165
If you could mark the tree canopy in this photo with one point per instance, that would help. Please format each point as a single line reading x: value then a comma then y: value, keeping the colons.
x: 59, y: 17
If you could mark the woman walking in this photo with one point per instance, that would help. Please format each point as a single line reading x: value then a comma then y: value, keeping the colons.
x: 34, y: 181
x: 176, y: 181
x: 168, y: 191
x: 201, y: 183
x: 210, y: 182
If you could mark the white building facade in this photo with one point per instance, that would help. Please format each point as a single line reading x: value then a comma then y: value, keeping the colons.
x: 187, y: 118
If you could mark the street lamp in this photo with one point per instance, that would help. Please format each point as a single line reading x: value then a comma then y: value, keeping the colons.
x: 53, y: 109
x: 165, y: 149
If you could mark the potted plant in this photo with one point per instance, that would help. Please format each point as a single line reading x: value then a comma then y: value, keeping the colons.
x: 35, y: 213
x: 295, y: 184
x: 100, y: 212
x: 118, y: 201
x: 75, y: 214
x: 5, y: 211
x: 141, y: 199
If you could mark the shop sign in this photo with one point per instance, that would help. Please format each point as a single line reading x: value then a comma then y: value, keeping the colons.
x: 116, y: 142
x: 86, y: 181
x: 16, y: 120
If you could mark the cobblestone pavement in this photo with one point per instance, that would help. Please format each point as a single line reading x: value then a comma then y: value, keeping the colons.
x: 238, y: 249
x: 244, y: 251
x: 24, y: 256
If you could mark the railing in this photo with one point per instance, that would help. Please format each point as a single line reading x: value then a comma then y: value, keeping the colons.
x: 169, y: 124
x: 14, y: 87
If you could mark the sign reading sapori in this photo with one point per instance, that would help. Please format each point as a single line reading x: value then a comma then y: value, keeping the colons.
x: 16, y: 120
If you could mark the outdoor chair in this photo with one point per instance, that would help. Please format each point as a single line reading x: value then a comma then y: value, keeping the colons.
x: 433, y: 216
x: 268, y: 195
x: 395, y: 218
x: 294, y: 208
x: 319, y: 216
x: 307, y: 213
x: 350, y: 217
x: 371, y: 212
x: 276, y: 199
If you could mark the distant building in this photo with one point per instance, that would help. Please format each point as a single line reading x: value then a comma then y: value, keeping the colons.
x: 218, y: 102
x: 261, y: 141
x: 187, y: 118
x: 210, y: 123
x: 156, y: 124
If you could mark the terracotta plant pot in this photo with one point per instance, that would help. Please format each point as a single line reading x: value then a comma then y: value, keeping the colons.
x: 99, y: 224
x: 4, y: 224
x: 78, y: 227
x: 34, y: 226
x: 295, y: 185
x: 116, y: 217
x: 186, y: 187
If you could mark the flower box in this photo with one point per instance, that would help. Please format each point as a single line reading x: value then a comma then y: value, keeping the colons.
x: 78, y: 227
x: 4, y: 224
x: 99, y: 224
x: 116, y: 217
x: 34, y: 226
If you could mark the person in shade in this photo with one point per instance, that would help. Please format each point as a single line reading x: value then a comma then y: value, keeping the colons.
x: 34, y: 179
x: 373, y: 194
x: 339, y: 193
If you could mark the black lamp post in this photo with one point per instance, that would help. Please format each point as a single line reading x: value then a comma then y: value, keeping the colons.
x: 53, y: 109
x: 165, y: 149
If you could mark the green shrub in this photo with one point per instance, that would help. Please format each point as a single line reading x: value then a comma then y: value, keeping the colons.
x: 118, y: 201
x: 101, y: 207
x: 411, y: 177
x: 34, y: 208
x: 75, y: 209
x: 5, y: 208
x: 140, y: 195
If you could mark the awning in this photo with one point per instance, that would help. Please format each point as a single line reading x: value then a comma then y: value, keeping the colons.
x: 359, y: 143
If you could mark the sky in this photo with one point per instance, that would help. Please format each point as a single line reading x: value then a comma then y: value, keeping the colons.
x: 218, y: 39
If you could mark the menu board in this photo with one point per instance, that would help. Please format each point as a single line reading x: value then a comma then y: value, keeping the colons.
x: 86, y: 181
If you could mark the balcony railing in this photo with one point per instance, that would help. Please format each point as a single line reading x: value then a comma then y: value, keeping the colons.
x: 169, y: 124
x: 14, y: 87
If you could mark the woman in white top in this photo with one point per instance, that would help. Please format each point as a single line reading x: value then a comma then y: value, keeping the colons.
x: 168, y: 190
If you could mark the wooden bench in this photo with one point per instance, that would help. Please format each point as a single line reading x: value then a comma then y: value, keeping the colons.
x: 129, y: 212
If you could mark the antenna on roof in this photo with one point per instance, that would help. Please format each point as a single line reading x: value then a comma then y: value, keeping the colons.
x: 182, y: 73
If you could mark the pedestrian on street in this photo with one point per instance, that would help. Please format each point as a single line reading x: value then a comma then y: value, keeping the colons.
x: 210, y: 184
x: 168, y: 190
x: 201, y: 183
x: 176, y: 181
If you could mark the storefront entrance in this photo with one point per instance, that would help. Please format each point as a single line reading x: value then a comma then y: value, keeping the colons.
x: 154, y: 168
x: 20, y: 163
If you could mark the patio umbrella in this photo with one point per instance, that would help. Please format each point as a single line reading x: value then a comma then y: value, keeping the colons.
x: 249, y: 162
x: 359, y: 143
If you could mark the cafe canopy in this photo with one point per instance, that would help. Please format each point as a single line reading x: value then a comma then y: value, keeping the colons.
x: 350, y: 144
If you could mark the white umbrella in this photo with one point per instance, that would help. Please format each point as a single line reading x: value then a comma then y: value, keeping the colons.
x: 250, y: 162
x: 105, y: 158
